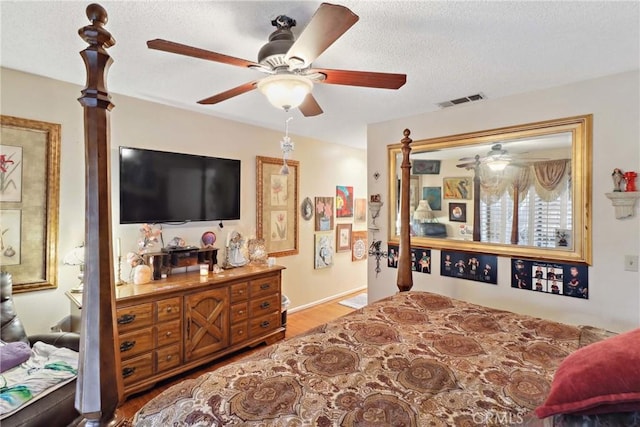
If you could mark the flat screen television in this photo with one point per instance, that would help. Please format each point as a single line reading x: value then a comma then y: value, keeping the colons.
x: 160, y: 186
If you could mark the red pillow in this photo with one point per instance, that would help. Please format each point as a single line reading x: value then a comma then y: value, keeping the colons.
x: 603, y: 377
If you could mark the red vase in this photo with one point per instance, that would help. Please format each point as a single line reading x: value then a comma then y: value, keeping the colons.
x: 630, y: 178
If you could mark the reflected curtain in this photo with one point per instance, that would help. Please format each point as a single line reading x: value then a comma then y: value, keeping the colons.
x: 551, y: 177
x: 492, y: 184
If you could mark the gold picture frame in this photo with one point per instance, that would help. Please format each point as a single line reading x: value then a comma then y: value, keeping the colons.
x: 277, y: 205
x: 29, y: 202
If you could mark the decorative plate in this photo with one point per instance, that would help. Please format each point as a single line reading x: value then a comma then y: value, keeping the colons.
x: 306, y: 209
x: 208, y: 238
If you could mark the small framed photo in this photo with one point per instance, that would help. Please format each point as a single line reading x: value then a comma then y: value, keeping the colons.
x: 458, y: 212
x: 425, y: 167
x: 343, y: 237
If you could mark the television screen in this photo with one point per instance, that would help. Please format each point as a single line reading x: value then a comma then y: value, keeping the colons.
x: 159, y: 186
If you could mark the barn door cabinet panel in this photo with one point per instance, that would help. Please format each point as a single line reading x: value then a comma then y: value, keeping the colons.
x: 175, y: 324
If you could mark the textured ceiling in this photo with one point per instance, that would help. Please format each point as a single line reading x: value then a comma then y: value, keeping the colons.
x: 447, y: 49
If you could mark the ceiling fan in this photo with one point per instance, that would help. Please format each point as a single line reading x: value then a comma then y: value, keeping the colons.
x: 497, y: 158
x: 287, y: 61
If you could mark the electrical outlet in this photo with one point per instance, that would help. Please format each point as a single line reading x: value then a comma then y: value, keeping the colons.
x: 631, y: 262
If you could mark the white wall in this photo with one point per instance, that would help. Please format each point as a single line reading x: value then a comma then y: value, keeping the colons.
x: 614, y: 294
x: 138, y: 123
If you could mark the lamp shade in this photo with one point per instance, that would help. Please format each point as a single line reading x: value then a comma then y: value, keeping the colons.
x: 285, y: 91
x: 423, y: 211
x: 75, y: 256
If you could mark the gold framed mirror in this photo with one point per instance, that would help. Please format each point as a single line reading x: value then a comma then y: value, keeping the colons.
x: 463, y: 189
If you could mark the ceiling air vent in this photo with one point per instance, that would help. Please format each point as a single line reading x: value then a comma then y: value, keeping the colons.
x: 476, y: 97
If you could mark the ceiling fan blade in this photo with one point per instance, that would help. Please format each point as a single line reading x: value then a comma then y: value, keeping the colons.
x: 362, y: 78
x: 310, y: 106
x: 239, y: 90
x: 181, y: 49
x: 327, y: 24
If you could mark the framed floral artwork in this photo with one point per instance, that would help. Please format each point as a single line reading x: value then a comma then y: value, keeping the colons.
x: 343, y: 237
x: 344, y: 201
x: 324, y: 213
x: 277, y: 205
x: 29, y: 199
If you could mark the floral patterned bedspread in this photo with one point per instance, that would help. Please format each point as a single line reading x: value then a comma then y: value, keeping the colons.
x: 413, y: 359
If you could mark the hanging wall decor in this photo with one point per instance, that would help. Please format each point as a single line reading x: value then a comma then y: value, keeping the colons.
x: 571, y: 280
x: 469, y: 266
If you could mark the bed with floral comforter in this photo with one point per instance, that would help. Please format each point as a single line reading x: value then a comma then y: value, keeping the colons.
x: 413, y: 359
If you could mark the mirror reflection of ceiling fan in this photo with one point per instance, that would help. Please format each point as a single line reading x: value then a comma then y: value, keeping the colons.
x: 287, y: 61
x: 497, y: 159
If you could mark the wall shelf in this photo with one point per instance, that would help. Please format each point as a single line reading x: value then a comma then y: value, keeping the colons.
x: 624, y: 202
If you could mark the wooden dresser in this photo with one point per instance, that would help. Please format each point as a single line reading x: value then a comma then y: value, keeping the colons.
x: 172, y: 325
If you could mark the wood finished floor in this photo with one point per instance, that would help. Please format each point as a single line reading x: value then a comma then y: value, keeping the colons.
x: 297, y: 323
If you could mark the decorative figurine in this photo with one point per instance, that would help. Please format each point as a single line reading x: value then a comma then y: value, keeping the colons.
x: 630, y: 178
x: 617, y: 177
x: 236, y: 257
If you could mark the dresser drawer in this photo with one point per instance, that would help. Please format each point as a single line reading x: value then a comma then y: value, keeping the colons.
x: 168, y: 357
x: 239, y: 332
x: 137, y: 369
x: 134, y: 317
x: 262, y: 306
x: 134, y: 343
x: 169, y: 309
x: 264, y: 286
x: 168, y: 333
x: 264, y: 324
x: 239, y: 312
x: 239, y: 291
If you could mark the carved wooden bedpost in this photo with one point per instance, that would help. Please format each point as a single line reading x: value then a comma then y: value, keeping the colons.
x: 99, y: 388
x: 476, y: 200
x: 405, y: 277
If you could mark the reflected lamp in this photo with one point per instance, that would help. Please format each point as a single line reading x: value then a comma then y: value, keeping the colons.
x: 76, y: 257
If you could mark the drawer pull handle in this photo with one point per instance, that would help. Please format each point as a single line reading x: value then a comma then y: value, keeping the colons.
x: 168, y: 334
x: 241, y: 312
x: 265, y: 286
x: 265, y: 304
x: 127, y: 345
x: 240, y: 332
x: 169, y: 357
x: 127, y: 318
x: 265, y: 324
x: 169, y: 309
x: 127, y: 372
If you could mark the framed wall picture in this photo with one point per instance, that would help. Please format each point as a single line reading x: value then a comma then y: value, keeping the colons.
x: 359, y: 246
x: 360, y: 210
x: 324, y: 213
x: 422, y: 167
x: 343, y: 237
x: 306, y: 209
x: 277, y: 205
x: 458, y: 188
x: 29, y: 200
x: 323, y: 254
x: 344, y: 201
x: 433, y: 195
x: 458, y: 212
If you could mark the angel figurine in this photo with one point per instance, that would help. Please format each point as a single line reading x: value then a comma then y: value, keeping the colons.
x: 617, y: 177
x: 236, y: 257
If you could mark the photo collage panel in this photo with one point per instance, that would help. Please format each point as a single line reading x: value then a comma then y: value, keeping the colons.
x: 475, y: 267
x: 561, y: 279
x: 420, y: 258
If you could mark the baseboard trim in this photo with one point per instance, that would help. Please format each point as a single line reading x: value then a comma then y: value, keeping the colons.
x: 327, y: 299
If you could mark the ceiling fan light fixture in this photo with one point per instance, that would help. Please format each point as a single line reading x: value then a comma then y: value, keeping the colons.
x: 285, y: 91
x: 497, y: 165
